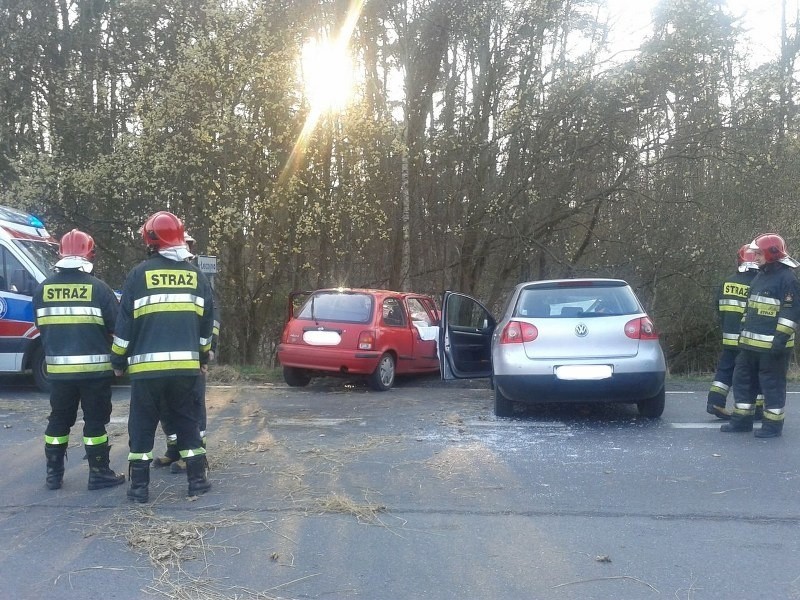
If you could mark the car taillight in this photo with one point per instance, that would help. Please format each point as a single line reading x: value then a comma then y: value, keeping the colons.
x: 366, y: 340
x: 641, y: 329
x: 517, y: 332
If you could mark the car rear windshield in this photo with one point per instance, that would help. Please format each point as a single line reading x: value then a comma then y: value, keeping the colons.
x: 338, y: 306
x: 570, y: 302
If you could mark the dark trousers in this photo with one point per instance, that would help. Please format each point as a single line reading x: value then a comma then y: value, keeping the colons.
x: 718, y: 395
x: 724, y: 375
x: 199, y: 404
x: 765, y: 369
x: 171, y: 399
x: 92, y: 395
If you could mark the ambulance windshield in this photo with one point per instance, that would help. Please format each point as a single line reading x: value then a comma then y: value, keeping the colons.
x: 43, y: 254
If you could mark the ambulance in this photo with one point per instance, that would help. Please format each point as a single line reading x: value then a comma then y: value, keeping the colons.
x: 27, y: 255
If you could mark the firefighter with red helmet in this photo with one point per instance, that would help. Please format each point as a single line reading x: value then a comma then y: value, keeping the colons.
x: 171, y: 456
x: 162, y: 338
x: 731, y: 301
x: 766, y: 340
x: 75, y: 313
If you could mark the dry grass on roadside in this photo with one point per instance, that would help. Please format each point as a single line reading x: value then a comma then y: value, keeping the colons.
x: 169, y: 543
x: 365, y: 512
x: 166, y: 542
x: 223, y: 374
x: 223, y: 453
x: 340, y: 455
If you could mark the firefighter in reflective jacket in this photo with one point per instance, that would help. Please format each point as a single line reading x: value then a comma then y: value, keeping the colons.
x: 171, y: 457
x: 767, y: 339
x: 75, y: 313
x: 162, y: 338
x: 731, y: 302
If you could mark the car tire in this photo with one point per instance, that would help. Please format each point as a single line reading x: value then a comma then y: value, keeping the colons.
x: 652, y: 408
x: 503, y: 407
x: 39, y: 369
x: 382, y: 378
x: 295, y: 377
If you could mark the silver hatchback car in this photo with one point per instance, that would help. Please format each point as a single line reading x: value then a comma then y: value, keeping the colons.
x: 561, y: 340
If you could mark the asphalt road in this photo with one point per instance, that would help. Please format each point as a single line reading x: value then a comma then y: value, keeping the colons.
x: 334, y: 491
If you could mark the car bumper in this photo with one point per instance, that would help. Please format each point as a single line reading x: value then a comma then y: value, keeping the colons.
x: 329, y: 360
x: 621, y: 387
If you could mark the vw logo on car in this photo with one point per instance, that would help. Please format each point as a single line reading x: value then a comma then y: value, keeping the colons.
x: 581, y: 330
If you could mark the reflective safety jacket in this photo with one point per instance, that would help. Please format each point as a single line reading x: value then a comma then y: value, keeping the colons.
x: 773, y: 310
x: 75, y: 313
x: 165, y: 320
x: 731, y: 303
x: 215, y: 333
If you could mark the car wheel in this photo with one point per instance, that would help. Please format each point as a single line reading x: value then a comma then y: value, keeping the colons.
x: 652, y: 408
x: 39, y: 368
x: 503, y: 407
x: 382, y: 378
x: 295, y: 377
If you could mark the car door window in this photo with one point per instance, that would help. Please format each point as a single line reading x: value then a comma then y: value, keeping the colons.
x: 419, y: 315
x: 465, y: 313
x: 13, y: 276
x: 393, y: 314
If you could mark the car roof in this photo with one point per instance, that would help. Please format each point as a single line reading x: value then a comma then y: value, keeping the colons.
x: 574, y: 281
x: 372, y: 291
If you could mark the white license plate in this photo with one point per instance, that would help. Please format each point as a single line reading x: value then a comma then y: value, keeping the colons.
x: 322, y: 338
x: 583, y: 372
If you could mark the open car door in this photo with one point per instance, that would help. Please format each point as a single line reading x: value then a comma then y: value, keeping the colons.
x: 296, y: 301
x: 465, y: 338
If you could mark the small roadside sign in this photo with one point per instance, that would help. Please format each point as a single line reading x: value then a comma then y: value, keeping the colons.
x: 207, y: 264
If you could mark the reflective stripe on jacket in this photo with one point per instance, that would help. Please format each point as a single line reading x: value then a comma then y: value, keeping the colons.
x: 773, y: 310
x: 731, y: 303
x: 75, y: 313
x: 165, y: 321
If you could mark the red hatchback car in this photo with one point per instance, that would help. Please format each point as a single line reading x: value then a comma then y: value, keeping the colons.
x: 377, y: 334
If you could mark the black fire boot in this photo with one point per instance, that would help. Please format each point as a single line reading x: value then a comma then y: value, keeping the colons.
x: 770, y: 427
x: 197, y: 474
x: 741, y: 421
x: 759, y: 408
x: 139, y: 475
x: 100, y: 475
x: 718, y: 411
x: 55, y: 454
x: 170, y: 456
x: 179, y: 466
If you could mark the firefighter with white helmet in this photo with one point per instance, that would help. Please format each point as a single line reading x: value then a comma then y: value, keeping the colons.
x: 731, y: 301
x: 766, y: 341
x: 163, y: 338
x: 75, y: 313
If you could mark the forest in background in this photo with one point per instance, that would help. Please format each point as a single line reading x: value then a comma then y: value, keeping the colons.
x: 487, y: 142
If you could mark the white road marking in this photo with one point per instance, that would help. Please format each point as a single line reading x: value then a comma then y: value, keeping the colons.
x: 703, y: 392
x: 515, y: 424
x: 314, y: 422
